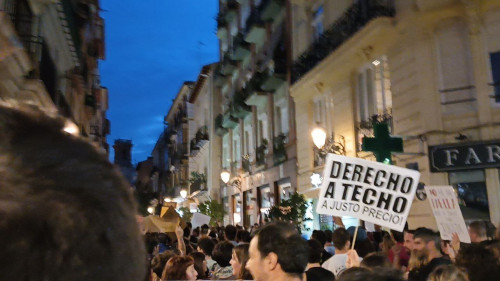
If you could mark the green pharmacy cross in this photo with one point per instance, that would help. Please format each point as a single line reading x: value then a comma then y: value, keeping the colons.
x: 382, y: 145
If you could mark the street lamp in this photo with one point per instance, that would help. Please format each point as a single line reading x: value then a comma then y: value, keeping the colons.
x: 167, y: 199
x: 325, y: 145
x: 151, y: 210
x: 225, y: 175
x: 319, y: 137
x: 183, y: 193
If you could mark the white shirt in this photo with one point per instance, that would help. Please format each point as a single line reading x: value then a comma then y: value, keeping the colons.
x: 336, y: 264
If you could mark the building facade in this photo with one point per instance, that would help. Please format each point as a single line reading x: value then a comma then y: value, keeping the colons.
x: 49, y: 59
x: 256, y: 123
x: 427, y: 68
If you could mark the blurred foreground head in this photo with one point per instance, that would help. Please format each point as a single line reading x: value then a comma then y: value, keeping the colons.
x: 65, y: 212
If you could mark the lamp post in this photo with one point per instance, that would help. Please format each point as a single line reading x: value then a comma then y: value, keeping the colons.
x: 183, y: 193
x: 325, y: 145
x: 225, y: 175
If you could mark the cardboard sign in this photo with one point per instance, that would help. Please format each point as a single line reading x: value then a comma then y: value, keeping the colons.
x: 374, y: 192
x: 199, y: 219
x: 444, y: 203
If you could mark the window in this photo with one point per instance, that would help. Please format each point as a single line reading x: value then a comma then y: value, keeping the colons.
x: 495, y: 73
x: 236, y: 209
x: 317, y: 22
x: 236, y: 144
x: 374, y: 89
x: 470, y: 187
x: 319, y: 110
x: 278, y: 118
x: 455, y: 73
x: 225, y: 151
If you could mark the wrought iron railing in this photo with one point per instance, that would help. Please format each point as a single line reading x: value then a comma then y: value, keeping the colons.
x: 353, y: 20
x: 279, y: 149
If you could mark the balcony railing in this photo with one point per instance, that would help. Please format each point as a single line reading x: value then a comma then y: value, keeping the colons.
x: 353, y: 20
x: 219, y: 129
x: 245, y: 163
x: 260, y: 153
x: 279, y: 149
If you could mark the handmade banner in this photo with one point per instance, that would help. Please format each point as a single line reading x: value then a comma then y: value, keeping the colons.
x: 367, y: 190
x: 444, y: 203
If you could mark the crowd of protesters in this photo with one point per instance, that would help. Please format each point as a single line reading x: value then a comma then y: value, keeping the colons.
x: 223, y: 253
x: 58, y: 222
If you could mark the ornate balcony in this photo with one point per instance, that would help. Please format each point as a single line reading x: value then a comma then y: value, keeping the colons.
x: 240, y: 109
x: 255, y: 95
x: 260, y: 153
x: 219, y: 129
x: 353, y: 20
x: 228, y: 121
x: 256, y: 30
x: 241, y: 49
x: 279, y: 149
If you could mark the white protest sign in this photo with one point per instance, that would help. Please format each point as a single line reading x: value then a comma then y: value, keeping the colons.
x: 199, y: 219
x: 448, y: 216
x: 374, y: 192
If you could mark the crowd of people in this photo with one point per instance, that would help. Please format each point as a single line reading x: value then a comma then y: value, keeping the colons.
x: 224, y: 253
x: 67, y: 214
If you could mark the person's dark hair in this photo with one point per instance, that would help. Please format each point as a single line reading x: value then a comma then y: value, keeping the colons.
x: 222, y: 253
x: 376, y: 274
x: 428, y: 235
x: 206, y: 245
x: 479, y: 261
x: 199, y: 258
x: 159, y: 261
x: 243, y: 236
x: 66, y: 213
x: 176, y: 267
x: 230, y: 232
x: 373, y: 260
x: 479, y: 228
x: 241, y: 252
x: 315, y: 250
x: 283, y: 240
x: 319, y: 236
x: 328, y: 234
x: 151, y: 241
x: 204, y: 229
x: 340, y: 237
x: 187, y: 231
x: 163, y: 238
x: 398, y: 236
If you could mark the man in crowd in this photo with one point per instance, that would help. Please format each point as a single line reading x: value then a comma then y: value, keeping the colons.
x: 427, y: 243
x: 230, y: 234
x: 341, y: 242
x: 65, y: 212
x: 277, y: 253
x: 314, y: 271
x: 477, y: 232
x: 408, y: 240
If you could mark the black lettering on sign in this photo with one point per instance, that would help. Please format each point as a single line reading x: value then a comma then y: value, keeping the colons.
x: 384, y: 200
x: 368, y: 175
x: 356, y: 173
x: 378, y: 178
x: 336, y: 167
x: 406, y: 185
x: 347, y: 169
x: 399, y: 204
x: 346, y: 188
x: 356, y: 193
x: 367, y: 200
x: 330, y: 190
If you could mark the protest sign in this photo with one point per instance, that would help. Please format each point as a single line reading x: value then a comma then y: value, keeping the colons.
x: 374, y: 192
x: 199, y: 219
x: 444, y: 203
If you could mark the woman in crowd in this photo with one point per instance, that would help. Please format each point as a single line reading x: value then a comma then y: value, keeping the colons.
x: 238, y: 262
x: 448, y: 273
x: 179, y: 268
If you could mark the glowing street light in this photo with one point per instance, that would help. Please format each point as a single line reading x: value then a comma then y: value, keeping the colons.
x: 71, y: 128
x: 167, y: 199
x: 225, y: 175
x: 151, y: 210
x: 319, y: 137
x: 183, y: 193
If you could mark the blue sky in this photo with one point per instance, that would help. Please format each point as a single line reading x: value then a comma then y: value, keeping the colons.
x: 152, y: 47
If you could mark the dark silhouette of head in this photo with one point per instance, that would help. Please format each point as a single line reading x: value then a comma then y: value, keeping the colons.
x: 65, y: 212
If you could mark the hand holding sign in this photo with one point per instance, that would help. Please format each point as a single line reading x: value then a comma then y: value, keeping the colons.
x: 371, y: 191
